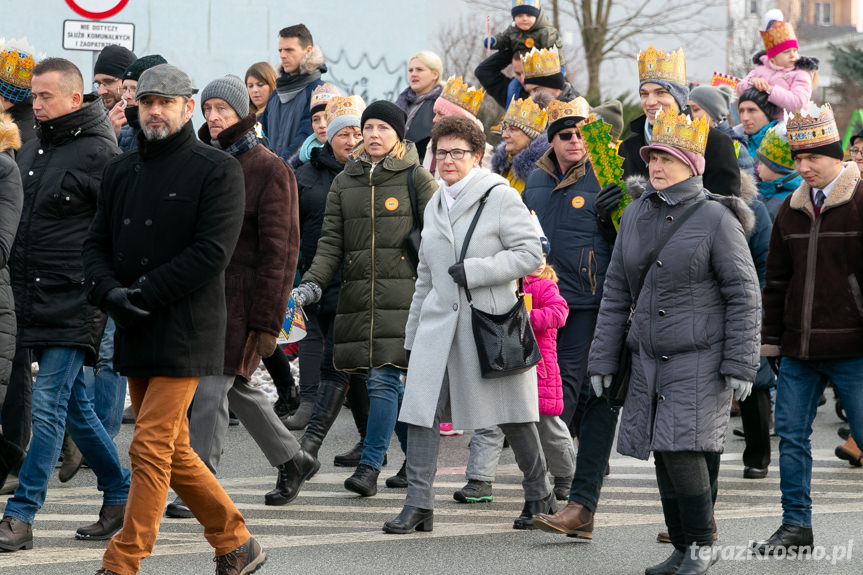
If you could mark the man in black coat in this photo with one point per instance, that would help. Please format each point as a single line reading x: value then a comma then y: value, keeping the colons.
x: 167, y: 222
x: 499, y: 86
x: 61, y: 171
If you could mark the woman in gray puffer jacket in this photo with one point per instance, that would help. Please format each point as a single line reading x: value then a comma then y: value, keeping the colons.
x: 694, y: 336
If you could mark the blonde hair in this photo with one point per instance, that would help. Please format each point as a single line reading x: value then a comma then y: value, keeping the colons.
x: 549, y: 274
x: 433, y: 62
x: 398, y: 152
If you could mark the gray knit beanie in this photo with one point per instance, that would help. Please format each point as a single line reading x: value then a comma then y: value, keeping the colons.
x: 679, y: 92
x: 230, y: 89
x: 714, y: 101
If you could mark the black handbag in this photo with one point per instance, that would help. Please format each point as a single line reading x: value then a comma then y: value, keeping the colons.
x: 412, y: 240
x: 505, y: 343
x: 615, y: 394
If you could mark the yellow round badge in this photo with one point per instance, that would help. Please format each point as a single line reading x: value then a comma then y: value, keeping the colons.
x: 577, y: 202
x: 391, y: 204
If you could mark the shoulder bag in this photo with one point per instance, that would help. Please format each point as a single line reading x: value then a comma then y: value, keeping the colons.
x: 412, y: 240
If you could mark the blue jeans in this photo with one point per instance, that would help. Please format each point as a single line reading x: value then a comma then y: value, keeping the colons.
x: 800, y: 385
x: 110, y: 386
x: 385, y: 400
x: 61, y: 389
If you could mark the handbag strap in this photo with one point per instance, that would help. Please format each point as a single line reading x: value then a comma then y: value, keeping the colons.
x: 662, y: 241
x: 470, y: 229
x: 412, y: 194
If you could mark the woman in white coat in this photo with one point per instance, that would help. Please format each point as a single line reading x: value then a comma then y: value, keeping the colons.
x: 439, y: 338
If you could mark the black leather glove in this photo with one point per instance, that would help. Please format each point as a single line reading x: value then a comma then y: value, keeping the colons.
x: 607, y: 200
x: 774, y: 362
x: 457, y: 273
x: 118, y: 304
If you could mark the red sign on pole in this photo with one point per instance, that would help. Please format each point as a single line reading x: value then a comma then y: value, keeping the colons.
x: 97, y: 9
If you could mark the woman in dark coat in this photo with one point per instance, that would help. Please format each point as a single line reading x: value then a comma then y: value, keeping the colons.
x: 694, y: 333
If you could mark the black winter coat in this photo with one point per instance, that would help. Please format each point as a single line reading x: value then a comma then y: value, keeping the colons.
x: 61, y: 171
x: 493, y: 80
x: 169, y: 217
x: 314, y: 179
x: 721, y: 172
x: 11, y: 198
x: 22, y: 114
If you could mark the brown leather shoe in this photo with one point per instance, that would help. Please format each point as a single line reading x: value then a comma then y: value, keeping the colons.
x: 574, y: 520
x: 245, y: 559
x: 15, y: 534
x: 104, y: 571
x: 72, y: 460
x: 850, y: 453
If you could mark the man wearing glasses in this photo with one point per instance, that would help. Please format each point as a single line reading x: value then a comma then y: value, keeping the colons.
x: 108, y: 71
x: 855, y: 152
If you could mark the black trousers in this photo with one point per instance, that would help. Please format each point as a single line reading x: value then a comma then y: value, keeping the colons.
x: 755, y: 415
x: 17, y: 423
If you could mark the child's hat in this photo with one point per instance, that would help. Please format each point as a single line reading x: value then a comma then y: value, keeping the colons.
x: 529, y: 7
x: 778, y: 35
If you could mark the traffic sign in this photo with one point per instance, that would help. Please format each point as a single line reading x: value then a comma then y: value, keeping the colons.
x: 93, y: 36
x: 97, y: 9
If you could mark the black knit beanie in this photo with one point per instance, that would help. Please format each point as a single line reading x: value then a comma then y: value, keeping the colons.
x: 386, y: 112
x: 555, y: 81
x: 113, y: 61
x: 134, y: 71
x: 832, y: 150
x: 760, y: 99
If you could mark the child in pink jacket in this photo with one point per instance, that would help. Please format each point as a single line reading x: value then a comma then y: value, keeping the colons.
x: 780, y: 71
x: 548, y: 313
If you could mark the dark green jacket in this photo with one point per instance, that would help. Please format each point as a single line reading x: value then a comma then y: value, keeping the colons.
x: 367, y: 217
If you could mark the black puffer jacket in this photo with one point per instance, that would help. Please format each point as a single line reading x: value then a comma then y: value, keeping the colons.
x: 11, y: 195
x: 314, y: 179
x: 61, y: 171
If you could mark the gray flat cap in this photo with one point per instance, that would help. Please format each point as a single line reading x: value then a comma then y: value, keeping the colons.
x: 164, y: 80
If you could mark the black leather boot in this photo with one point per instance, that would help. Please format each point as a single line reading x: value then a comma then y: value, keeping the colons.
x: 292, y: 475
x: 110, y: 521
x: 696, y: 520
x: 788, y: 537
x: 358, y: 397
x: 667, y: 567
x: 364, y: 480
x: 409, y: 519
x: 697, y: 560
x: 531, y: 508
x: 328, y: 404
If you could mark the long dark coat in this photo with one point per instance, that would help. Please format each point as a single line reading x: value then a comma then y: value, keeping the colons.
x: 11, y: 198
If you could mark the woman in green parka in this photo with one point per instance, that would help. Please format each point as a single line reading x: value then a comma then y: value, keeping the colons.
x: 367, y: 219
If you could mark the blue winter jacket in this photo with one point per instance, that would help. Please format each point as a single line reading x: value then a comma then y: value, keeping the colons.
x: 564, y: 205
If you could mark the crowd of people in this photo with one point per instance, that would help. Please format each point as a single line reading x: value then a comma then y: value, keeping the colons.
x: 716, y: 264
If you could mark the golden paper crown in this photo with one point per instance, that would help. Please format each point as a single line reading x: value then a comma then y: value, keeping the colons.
x: 526, y: 115
x: 462, y: 95
x: 680, y: 131
x: 16, y: 72
x: 545, y: 62
x: 656, y: 65
x: 811, y: 127
x: 344, y: 105
x: 723, y: 80
x: 577, y: 107
x: 323, y: 94
x: 779, y: 37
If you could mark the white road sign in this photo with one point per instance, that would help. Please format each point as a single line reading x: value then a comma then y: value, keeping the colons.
x: 93, y: 35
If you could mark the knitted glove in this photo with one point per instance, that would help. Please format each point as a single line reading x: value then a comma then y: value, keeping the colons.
x: 306, y: 293
x: 457, y: 273
x: 607, y: 200
x: 600, y: 383
x: 489, y: 42
x: 265, y: 344
x: 741, y: 388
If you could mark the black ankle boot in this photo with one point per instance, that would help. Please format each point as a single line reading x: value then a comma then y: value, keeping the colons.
x: 328, y: 404
x: 696, y: 519
x: 697, y: 560
x: 531, y: 508
x: 364, y: 480
x: 292, y: 475
x: 358, y: 398
x: 409, y: 519
x: 667, y: 567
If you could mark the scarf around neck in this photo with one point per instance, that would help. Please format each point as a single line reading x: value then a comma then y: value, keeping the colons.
x: 289, y: 85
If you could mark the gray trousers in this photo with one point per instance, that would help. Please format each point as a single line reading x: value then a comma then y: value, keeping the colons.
x: 208, y: 422
x: 486, y: 445
x: 423, y: 444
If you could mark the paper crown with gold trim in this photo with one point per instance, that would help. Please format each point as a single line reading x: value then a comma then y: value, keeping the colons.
x: 463, y: 95
x: 680, y: 131
x: 16, y: 70
x: 778, y: 35
x: 538, y: 63
x: 812, y: 127
x: 723, y: 80
x: 527, y: 116
x: 320, y: 96
x: 657, y: 65
x: 774, y: 150
x: 577, y: 107
x: 344, y: 105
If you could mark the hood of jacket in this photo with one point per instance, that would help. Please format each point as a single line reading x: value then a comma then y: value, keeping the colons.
x: 524, y: 162
x: 312, y: 61
x: 10, y: 138
x: 91, y: 119
x: 638, y: 186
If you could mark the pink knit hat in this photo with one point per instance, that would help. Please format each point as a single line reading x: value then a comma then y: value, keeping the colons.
x: 447, y: 108
x: 691, y: 159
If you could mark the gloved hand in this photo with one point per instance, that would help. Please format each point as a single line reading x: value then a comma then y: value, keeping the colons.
x: 457, y: 273
x: 306, y: 293
x: 119, y: 306
x: 488, y: 42
x: 607, y: 200
x: 774, y: 362
x: 600, y: 383
x: 265, y: 344
x: 741, y: 388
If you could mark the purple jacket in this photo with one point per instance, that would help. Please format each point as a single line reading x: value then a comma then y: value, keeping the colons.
x: 548, y: 313
x: 790, y: 89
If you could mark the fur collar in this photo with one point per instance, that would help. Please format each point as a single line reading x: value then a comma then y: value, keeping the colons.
x: 523, y: 163
x: 10, y: 137
x: 748, y: 188
x: 312, y: 61
x: 841, y: 193
x: 638, y: 186
x: 810, y: 64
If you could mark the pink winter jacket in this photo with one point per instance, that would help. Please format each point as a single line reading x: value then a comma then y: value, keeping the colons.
x: 549, y: 313
x: 790, y: 88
